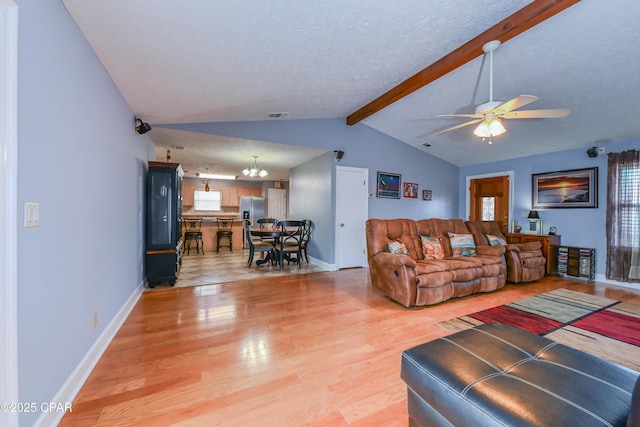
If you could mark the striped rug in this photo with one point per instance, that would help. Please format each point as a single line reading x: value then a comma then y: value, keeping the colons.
x: 601, y: 326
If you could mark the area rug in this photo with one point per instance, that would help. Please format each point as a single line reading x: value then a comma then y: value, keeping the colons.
x: 601, y: 326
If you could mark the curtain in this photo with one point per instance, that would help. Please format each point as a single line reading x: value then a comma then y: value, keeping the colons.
x: 623, y: 216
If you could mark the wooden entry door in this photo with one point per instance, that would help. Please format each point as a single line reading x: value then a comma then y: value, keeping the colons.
x: 489, y: 200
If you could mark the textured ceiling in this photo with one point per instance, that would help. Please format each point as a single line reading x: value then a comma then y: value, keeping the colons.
x: 215, y: 61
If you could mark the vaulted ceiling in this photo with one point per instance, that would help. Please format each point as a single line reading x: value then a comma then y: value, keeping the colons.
x: 220, y: 61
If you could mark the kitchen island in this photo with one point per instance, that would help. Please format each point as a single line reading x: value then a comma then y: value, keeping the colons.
x: 209, y: 229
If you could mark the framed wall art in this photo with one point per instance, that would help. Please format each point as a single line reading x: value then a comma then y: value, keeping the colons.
x: 426, y: 194
x: 410, y: 190
x: 575, y: 188
x: 388, y: 185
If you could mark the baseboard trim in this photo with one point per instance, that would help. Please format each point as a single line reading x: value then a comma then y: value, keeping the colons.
x: 72, y: 386
x: 601, y: 278
x: 322, y: 264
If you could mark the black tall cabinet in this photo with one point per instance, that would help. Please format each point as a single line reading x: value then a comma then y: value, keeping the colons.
x: 163, y: 223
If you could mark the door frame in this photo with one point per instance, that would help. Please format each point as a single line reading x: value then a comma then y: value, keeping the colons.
x: 510, y: 174
x: 365, y: 172
x: 9, y: 200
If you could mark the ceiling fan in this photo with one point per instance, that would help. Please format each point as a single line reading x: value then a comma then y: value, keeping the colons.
x: 490, y: 114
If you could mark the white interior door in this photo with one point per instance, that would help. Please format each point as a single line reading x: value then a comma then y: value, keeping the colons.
x: 352, y: 211
x: 277, y: 203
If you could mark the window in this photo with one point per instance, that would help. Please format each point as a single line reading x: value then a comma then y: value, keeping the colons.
x: 488, y: 208
x: 623, y: 216
x: 207, y: 200
x: 630, y: 206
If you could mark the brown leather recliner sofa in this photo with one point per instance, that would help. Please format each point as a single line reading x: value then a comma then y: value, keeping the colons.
x: 525, y: 261
x: 413, y: 279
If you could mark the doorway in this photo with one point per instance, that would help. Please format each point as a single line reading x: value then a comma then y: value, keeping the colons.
x: 352, y: 211
x: 489, y: 198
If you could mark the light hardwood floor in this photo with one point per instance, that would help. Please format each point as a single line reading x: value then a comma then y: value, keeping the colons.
x: 320, y: 349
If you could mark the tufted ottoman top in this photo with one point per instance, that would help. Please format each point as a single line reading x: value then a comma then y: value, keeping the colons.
x: 495, y: 374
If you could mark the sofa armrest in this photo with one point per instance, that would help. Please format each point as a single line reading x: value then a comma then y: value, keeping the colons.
x: 491, y: 250
x: 512, y: 247
x: 525, y: 247
x: 395, y: 276
x: 393, y: 260
x: 530, y: 247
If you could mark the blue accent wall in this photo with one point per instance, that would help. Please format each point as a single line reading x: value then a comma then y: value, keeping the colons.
x: 80, y: 159
x: 577, y: 227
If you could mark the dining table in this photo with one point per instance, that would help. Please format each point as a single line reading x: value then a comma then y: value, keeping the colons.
x: 274, y: 233
x: 268, y: 232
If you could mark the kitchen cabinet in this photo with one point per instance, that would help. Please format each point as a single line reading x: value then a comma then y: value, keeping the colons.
x: 163, y: 225
x: 187, y: 195
x: 230, y: 196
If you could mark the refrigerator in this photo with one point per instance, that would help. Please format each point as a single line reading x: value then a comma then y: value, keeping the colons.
x: 251, y: 209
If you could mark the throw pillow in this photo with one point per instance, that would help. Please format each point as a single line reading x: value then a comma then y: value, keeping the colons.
x: 462, y: 244
x: 397, y: 247
x: 432, y: 247
x: 495, y: 240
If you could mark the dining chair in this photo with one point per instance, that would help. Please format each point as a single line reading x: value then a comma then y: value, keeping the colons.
x: 255, y: 245
x: 306, y: 237
x: 266, y: 223
x: 193, y: 231
x: 225, y: 231
x: 290, y: 241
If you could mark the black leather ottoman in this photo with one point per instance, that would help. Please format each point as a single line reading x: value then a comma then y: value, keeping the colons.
x: 497, y: 375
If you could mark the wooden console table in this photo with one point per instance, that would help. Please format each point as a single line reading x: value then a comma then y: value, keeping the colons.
x: 549, y: 247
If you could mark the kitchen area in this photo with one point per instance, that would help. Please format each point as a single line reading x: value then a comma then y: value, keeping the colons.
x: 256, y: 199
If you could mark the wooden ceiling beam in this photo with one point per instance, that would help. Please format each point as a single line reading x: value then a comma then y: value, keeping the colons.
x: 524, y: 19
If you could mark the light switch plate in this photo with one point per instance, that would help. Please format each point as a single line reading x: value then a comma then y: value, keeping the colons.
x: 31, y: 214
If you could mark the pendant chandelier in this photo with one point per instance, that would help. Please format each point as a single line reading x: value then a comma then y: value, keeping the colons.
x: 253, y: 170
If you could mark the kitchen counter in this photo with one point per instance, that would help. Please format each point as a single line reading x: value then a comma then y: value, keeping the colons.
x: 209, y: 230
x: 213, y: 219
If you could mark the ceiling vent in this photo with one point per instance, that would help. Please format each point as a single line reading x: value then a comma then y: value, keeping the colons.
x: 278, y: 115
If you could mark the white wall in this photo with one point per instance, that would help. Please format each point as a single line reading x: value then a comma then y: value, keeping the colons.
x: 79, y: 158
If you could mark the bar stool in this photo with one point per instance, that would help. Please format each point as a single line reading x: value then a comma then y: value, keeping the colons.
x: 193, y: 231
x: 225, y: 231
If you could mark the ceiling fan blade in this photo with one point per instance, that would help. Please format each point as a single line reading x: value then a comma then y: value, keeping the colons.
x: 537, y: 114
x: 517, y: 102
x: 469, y: 123
x: 470, y: 116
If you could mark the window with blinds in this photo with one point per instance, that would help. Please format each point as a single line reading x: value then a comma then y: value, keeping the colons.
x: 207, y: 200
x: 629, y: 206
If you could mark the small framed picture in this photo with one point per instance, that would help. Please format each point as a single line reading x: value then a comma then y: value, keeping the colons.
x: 388, y: 185
x: 426, y: 194
x: 410, y: 190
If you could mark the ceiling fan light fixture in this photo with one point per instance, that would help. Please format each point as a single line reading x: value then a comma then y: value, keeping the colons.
x: 490, y: 128
x: 496, y: 127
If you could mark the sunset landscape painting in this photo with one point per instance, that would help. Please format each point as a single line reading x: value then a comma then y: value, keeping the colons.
x: 565, y: 189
